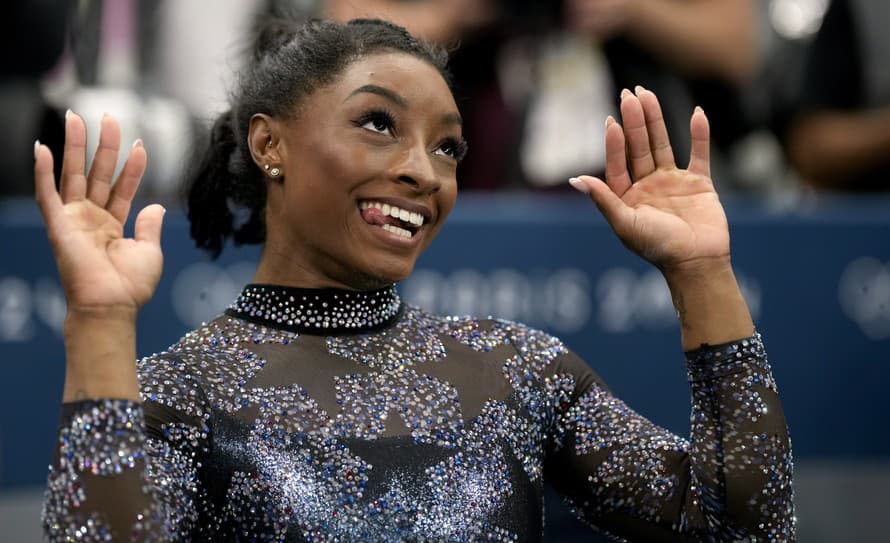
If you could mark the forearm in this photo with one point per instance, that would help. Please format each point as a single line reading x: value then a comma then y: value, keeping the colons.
x: 831, y: 146
x: 740, y: 456
x: 100, y: 357
x: 698, y: 37
x: 709, y: 304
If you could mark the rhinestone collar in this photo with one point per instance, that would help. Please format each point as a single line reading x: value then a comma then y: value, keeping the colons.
x: 324, y: 311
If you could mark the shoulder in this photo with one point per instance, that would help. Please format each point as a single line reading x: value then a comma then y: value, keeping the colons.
x: 206, y: 364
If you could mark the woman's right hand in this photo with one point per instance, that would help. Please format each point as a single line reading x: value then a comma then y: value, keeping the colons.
x: 103, y: 273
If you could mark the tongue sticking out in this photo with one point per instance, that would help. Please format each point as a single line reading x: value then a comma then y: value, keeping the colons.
x: 374, y: 216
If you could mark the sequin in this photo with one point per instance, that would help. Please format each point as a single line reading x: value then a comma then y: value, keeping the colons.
x: 339, y: 416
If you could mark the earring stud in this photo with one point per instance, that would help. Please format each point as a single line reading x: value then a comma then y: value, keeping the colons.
x: 266, y: 167
x: 275, y: 172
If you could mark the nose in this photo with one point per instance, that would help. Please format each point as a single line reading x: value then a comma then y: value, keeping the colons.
x: 414, y: 167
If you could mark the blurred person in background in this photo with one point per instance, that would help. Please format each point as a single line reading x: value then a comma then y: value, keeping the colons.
x: 839, y: 138
x: 443, y: 22
x: 31, y: 41
x: 547, y: 73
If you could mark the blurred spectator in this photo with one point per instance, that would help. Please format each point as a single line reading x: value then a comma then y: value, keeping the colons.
x: 556, y: 83
x: 33, y: 39
x: 711, y: 38
x: 840, y: 138
x: 439, y: 21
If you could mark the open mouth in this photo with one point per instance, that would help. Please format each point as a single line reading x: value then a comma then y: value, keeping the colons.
x: 396, y: 220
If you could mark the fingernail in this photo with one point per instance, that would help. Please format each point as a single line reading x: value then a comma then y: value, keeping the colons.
x: 625, y: 93
x: 638, y: 89
x: 579, y: 185
x: 610, y: 120
x: 698, y: 109
x: 67, y: 113
x: 137, y: 143
x: 36, y: 148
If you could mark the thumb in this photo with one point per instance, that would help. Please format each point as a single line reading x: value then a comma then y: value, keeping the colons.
x: 149, y: 222
x: 610, y: 205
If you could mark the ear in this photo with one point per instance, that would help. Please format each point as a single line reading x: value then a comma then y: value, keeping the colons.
x: 263, y: 140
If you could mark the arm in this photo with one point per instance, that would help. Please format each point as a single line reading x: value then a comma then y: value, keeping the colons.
x: 834, y: 138
x: 829, y: 147
x: 735, y: 475
x: 697, y: 37
x: 125, y: 470
x: 731, y: 481
x: 114, y: 475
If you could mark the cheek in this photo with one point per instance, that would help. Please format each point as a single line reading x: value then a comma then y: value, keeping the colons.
x: 448, y: 197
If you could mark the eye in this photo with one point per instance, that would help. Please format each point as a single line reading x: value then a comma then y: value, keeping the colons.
x: 452, y: 147
x: 381, y: 122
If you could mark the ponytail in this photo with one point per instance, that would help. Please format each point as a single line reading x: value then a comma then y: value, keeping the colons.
x: 225, y: 193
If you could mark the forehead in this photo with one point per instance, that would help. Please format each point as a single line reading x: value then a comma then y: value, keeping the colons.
x: 408, y: 76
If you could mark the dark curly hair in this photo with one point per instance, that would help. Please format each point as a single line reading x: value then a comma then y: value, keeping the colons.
x: 226, y: 192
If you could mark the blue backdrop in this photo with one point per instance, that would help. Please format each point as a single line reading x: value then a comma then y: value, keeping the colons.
x: 817, y: 281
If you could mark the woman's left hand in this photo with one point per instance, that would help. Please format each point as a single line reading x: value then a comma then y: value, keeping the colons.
x: 669, y: 216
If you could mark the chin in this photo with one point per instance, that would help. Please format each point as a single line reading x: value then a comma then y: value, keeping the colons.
x: 370, y: 278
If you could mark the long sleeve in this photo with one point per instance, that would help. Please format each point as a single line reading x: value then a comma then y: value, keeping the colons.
x: 125, y: 471
x: 731, y: 481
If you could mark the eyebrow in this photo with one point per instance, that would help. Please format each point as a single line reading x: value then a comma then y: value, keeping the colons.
x: 452, y: 118
x: 448, y: 118
x: 380, y: 91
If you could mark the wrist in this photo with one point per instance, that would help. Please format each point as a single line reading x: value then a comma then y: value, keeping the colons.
x: 115, y: 316
x: 100, y: 354
x: 709, y: 303
x: 692, y: 272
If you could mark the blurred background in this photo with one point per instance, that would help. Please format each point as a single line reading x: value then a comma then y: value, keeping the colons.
x: 798, y: 95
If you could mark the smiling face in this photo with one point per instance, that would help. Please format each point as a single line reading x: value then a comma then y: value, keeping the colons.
x: 369, y: 165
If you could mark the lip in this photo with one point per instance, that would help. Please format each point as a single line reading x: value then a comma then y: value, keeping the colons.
x: 394, y: 239
x: 402, y: 203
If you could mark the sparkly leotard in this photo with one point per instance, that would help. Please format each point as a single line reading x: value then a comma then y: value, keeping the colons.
x: 321, y: 415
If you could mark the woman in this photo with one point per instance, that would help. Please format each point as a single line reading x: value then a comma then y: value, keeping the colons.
x: 321, y: 408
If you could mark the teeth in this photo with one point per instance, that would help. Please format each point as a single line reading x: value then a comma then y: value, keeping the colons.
x: 398, y: 231
x: 415, y: 219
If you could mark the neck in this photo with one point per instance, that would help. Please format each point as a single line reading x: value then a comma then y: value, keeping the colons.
x: 281, y: 268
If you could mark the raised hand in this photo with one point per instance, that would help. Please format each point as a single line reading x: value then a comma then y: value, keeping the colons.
x: 669, y: 216
x: 672, y: 218
x: 102, y: 272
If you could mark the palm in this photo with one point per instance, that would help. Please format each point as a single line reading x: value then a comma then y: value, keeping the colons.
x: 676, y: 218
x: 668, y: 216
x: 99, y: 268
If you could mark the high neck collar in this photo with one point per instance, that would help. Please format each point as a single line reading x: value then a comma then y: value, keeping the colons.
x: 325, y: 311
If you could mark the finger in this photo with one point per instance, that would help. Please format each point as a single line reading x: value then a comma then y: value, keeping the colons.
x: 122, y: 193
x: 105, y: 161
x: 616, y: 212
x: 617, y: 175
x: 637, y: 136
x: 48, y: 199
x: 659, y: 141
x: 73, y: 184
x: 149, y: 223
x: 700, y: 154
